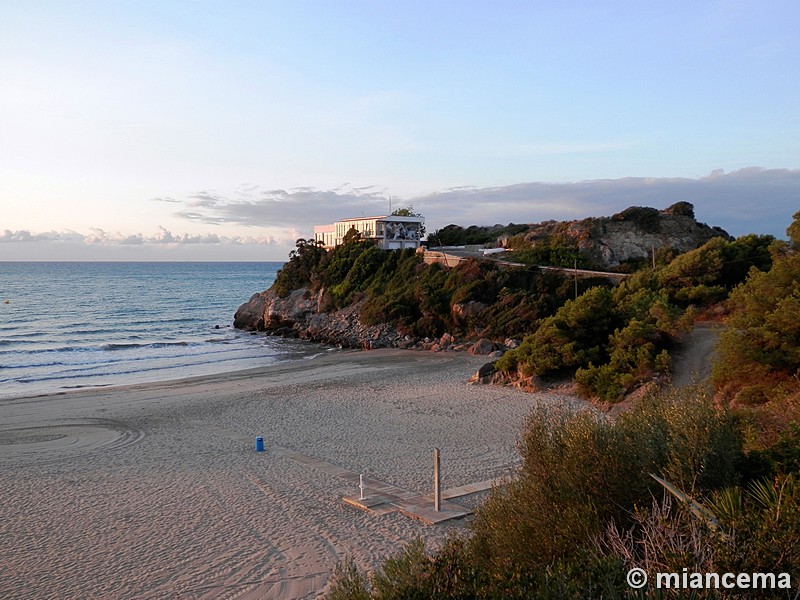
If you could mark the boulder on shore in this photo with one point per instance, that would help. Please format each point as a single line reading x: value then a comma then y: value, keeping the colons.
x: 484, y: 374
x: 250, y: 315
x: 482, y: 347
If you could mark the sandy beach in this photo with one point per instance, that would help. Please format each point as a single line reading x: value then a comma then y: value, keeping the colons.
x: 156, y: 491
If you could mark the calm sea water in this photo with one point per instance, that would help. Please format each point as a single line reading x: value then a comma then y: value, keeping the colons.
x: 69, y: 325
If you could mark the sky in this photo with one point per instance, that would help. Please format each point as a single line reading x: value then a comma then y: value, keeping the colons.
x: 226, y: 130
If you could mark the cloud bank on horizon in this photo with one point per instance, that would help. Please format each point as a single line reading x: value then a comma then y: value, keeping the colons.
x: 750, y: 200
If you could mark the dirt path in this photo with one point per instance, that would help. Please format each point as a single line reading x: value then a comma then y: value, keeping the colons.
x: 692, y: 362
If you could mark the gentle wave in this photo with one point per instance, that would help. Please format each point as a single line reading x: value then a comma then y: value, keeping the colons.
x: 96, y: 331
x: 79, y: 373
x: 21, y: 337
x: 114, y: 347
x: 90, y: 354
x: 97, y: 349
x: 57, y: 370
x: 56, y: 350
x: 112, y: 323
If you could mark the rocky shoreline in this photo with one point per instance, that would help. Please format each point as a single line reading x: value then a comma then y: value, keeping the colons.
x: 300, y: 315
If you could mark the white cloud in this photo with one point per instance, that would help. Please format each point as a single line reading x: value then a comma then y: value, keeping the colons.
x: 299, y: 208
x: 100, y: 237
x: 24, y: 235
x: 743, y: 201
x: 749, y: 200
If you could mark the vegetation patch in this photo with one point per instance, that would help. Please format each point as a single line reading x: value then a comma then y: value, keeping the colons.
x: 585, y: 507
x: 681, y: 480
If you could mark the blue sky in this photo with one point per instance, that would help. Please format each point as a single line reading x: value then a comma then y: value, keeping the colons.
x: 199, y: 130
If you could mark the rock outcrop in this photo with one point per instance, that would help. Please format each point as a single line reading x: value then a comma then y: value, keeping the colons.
x: 250, y: 315
x: 489, y: 375
x: 630, y: 234
x: 299, y: 315
x: 467, y: 310
x: 302, y: 315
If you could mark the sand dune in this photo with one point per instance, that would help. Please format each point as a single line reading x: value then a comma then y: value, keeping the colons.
x: 156, y: 491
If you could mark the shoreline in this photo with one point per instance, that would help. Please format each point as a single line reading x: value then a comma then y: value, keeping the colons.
x: 232, y: 374
x: 285, y: 351
x: 151, y: 490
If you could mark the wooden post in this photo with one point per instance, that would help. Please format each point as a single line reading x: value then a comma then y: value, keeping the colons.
x: 437, y: 492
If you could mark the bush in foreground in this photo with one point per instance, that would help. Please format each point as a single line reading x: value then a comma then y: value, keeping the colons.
x: 584, y: 507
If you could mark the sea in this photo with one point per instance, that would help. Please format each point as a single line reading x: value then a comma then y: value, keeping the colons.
x: 71, y: 325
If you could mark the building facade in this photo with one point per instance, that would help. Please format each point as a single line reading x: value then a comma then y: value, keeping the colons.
x: 390, y: 232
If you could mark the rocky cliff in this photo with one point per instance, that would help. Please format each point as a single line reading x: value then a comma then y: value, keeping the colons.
x: 301, y: 315
x: 628, y: 235
x: 305, y: 313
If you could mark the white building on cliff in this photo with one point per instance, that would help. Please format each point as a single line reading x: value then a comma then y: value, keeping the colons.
x: 391, y: 232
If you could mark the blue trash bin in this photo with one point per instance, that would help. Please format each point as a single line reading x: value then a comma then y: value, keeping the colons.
x: 259, y: 444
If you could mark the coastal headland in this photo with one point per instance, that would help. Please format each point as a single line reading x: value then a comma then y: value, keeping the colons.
x: 156, y: 490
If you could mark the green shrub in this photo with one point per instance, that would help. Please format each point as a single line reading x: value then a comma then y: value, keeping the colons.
x: 779, y: 456
x: 761, y: 342
x: 645, y: 218
x: 763, y: 528
x: 581, y: 472
x: 396, y: 306
x: 405, y: 576
x: 636, y: 352
x: 342, y: 259
x: 303, y: 265
x: 683, y: 209
x: 604, y: 382
x: 557, y: 251
x: 695, y: 268
x: 755, y: 529
x: 348, y: 582
x: 574, y: 336
x: 741, y: 255
x: 549, y: 533
x: 364, y: 264
x: 476, y: 291
x: 455, y: 235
